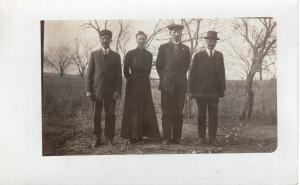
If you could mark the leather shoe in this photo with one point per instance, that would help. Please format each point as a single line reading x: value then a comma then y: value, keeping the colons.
x: 177, y: 141
x: 213, y: 142
x: 166, y: 142
x: 202, y: 141
x: 98, y: 143
x: 110, y: 141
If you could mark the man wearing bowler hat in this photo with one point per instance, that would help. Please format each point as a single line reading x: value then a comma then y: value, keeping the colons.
x: 207, y: 84
x: 172, y: 64
x: 104, y: 85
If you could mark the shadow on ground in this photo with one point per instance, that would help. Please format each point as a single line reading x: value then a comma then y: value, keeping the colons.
x: 75, y: 138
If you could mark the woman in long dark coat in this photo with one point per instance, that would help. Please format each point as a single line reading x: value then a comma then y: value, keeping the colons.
x: 139, y: 118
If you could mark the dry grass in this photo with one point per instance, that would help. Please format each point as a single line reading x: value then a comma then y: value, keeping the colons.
x: 67, y: 120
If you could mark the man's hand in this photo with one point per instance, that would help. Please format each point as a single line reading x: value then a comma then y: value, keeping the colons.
x: 89, y: 95
x: 116, y: 96
x: 191, y: 96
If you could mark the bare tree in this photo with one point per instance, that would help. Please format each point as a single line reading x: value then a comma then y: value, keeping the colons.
x: 122, y: 37
x: 80, y: 55
x: 95, y: 25
x: 193, y: 36
x: 192, y: 27
x: 158, y: 28
x: 259, y: 34
x: 58, y: 59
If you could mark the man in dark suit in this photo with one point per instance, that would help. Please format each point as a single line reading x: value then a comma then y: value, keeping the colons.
x: 207, y: 84
x: 104, y: 86
x: 172, y: 65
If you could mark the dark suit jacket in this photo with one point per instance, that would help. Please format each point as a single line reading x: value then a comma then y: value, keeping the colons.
x: 199, y: 72
x: 104, y: 77
x: 172, y: 65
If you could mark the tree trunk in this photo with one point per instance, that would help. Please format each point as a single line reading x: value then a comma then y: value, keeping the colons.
x: 260, y: 74
x: 248, y: 105
x: 188, y: 102
x: 61, y: 72
x: 188, y: 106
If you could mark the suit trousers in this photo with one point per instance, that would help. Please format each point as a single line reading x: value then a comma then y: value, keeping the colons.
x: 172, y: 115
x: 209, y: 104
x: 110, y: 120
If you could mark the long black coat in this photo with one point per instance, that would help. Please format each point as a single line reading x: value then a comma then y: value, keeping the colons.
x: 139, y: 118
x: 172, y: 65
x: 104, y: 75
x: 200, y: 69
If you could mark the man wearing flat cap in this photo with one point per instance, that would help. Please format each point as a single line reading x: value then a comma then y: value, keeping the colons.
x: 207, y: 85
x: 104, y: 85
x: 172, y: 65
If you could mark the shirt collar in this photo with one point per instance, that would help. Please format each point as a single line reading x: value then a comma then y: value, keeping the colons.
x: 105, y: 51
x: 140, y: 48
x: 173, y: 42
x: 208, y: 51
x: 176, y: 43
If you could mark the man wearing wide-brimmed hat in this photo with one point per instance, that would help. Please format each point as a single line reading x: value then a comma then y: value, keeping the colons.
x: 172, y: 65
x: 104, y: 85
x: 207, y: 84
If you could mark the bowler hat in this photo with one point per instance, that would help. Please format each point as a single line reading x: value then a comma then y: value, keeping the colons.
x: 212, y: 35
x: 106, y: 32
x: 175, y: 27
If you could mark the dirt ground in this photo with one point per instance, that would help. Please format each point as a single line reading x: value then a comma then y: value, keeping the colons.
x: 76, y: 138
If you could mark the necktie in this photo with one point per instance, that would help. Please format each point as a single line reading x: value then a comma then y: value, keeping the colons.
x: 176, y: 47
x: 210, y: 53
x: 105, y: 54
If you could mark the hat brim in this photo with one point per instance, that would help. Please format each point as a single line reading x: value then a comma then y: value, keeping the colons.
x: 175, y: 27
x: 106, y: 35
x: 215, y: 38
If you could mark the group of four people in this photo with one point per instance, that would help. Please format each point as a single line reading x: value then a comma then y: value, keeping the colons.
x: 206, y: 84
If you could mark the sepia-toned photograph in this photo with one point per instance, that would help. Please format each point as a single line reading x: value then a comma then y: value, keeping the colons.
x: 161, y: 86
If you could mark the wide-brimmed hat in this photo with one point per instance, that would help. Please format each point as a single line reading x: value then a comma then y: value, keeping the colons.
x: 175, y: 27
x: 106, y: 32
x: 212, y: 35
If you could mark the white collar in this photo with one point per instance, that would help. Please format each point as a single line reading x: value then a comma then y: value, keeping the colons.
x: 208, y: 51
x: 105, y: 51
x: 175, y: 43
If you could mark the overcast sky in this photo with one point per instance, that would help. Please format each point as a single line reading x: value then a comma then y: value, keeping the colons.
x: 64, y: 33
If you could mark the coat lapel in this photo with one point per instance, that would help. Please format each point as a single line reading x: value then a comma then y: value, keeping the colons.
x: 171, y: 50
x: 102, y: 57
x: 175, y: 53
x: 207, y: 58
x: 213, y: 57
x: 180, y: 49
x: 102, y: 62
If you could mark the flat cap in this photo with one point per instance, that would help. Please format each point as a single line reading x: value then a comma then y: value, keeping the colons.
x: 106, y: 32
x: 141, y: 33
x: 175, y: 27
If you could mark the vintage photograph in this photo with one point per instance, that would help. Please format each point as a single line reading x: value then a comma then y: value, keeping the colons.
x: 161, y: 86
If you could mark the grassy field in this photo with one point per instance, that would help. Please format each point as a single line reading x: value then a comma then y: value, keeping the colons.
x: 67, y: 121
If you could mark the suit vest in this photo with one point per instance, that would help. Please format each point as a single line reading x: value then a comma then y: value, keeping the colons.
x: 212, y: 86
